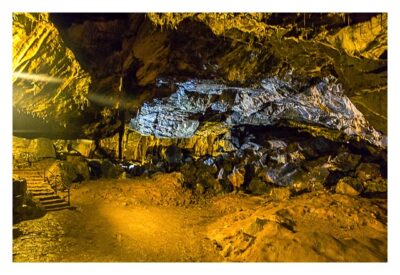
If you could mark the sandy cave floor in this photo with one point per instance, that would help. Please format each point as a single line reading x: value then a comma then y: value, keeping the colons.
x: 156, y: 220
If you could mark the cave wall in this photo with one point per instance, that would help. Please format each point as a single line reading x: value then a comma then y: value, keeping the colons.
x: 48, y: 82
x: 101, y: 68
x: 211, y: 139
x: 350, y: 47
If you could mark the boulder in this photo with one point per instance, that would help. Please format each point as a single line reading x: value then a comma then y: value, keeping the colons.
x: 316, y: 163
x: 42, y: 148
x: 80, y: 165
x: 24, y: 207
x: 110, y: 170
x: 61, y: 175
x: 282, y: 175
x: 348, y: 186
x: 189, y: 174
x: 280, y: 193
x: 199, y: 188
x: 218, y: 186
x: 19, y: 192
x: 84, y: 147
x: 258, y: 187
x: 94, y: 168
x: 345, y: 162
x: 236, y: 178
x: 377, y: 185
x: 368, y: 181
x: 368, y: 171
x: 173, y: 155
x: 312, y: 180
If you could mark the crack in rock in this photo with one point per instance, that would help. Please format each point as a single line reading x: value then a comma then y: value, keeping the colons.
x: 321, y: 109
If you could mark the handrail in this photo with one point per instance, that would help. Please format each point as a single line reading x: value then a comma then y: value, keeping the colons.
x: 54, y: 185
x: 28, y: 158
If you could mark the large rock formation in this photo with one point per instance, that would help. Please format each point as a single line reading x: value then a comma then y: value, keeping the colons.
x: 85, y: 75
x: 49, y: 86
x: 211, y: 138
x: 321, y: 109
x: 352, y: 47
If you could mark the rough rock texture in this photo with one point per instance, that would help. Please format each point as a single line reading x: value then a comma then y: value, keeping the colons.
x: 94, y: 70
x: 80, y: 166
x: 207, y: 86
x: 350, y: 46
x: 236, y: 178
x: 210, y: 139
x: 348, y: 186
x: 27, y: 150
x: 287, y: 110
x: 61, y: 174
x: 49, y: 86
x: 43, y: 148
x: 257, y: 187
x: 24, y: 207
x: 110, y: 170
x: 312, y: 227
x: 320, y: 109
x: 75, y: 147
x: 368, y: 171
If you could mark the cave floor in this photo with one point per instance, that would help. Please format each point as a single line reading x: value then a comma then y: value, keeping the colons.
x: 156, y: 220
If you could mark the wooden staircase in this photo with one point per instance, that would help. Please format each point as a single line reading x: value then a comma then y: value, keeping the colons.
x: 40, y: 190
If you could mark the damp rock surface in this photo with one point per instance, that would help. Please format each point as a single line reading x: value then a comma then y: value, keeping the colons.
x: 207, y: 137
x: 301, y: 228
x: 321, y: 109
x: 83, y: 69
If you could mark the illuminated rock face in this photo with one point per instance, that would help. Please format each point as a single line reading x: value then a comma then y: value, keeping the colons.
x: 352, y: 47
x: 48, y: 82
x: 320, y: 109
x: 96, y: 70
x: 211, y: 138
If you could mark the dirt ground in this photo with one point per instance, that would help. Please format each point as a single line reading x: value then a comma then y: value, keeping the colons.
x: 156, y: 220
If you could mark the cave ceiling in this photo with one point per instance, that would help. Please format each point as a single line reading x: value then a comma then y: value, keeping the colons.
x: 86, y: 75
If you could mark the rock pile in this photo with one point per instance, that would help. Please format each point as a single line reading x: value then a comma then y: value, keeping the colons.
x: 321, y: 109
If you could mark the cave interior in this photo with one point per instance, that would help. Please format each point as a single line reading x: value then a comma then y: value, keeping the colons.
x: 198, y: 137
